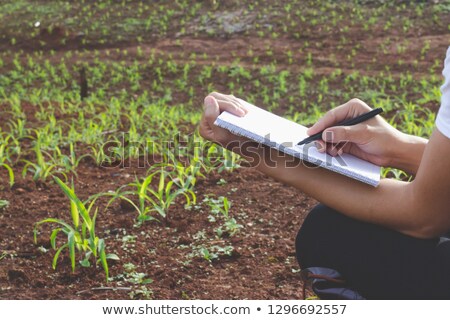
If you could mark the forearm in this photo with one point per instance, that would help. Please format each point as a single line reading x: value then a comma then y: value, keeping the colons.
x: 388, y: 205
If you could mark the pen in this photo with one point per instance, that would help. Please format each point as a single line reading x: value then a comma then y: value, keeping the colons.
x: 348, y: 122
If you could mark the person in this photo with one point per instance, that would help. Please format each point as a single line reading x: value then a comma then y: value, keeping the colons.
x: 388, y: 242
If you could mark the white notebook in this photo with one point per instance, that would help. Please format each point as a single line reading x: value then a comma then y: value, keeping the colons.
x: 282, y: 134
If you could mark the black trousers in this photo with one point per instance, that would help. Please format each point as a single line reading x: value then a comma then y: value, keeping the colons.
x: 378, y: 262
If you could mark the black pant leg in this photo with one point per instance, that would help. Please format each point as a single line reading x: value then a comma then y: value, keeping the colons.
x: 378, y: 262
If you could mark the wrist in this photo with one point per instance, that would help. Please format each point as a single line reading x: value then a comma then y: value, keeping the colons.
x: 407, y: 153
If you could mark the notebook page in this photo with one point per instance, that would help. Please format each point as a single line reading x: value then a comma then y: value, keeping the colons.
x: 282, y: 134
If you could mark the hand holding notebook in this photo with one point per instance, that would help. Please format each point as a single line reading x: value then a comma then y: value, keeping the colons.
x: 283, y: 135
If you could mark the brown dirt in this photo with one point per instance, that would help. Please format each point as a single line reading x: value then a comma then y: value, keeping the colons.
x: 260, y: 267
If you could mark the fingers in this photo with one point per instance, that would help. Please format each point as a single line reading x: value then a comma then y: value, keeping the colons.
x: 335, y: 149
x: 221, y: 96
x: 231, y: 107
x: 212, y: 109
x: 215, y: 103
x: 224, y: 105
x: 230, y: 99
x: 350, y: 109
x: 359, y: 133
x: 337, y: 140
x: 321, y: 146
x: 332, y: 149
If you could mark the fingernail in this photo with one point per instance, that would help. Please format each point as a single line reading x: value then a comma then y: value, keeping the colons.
x: 327, y: 135
x: 319, y: 146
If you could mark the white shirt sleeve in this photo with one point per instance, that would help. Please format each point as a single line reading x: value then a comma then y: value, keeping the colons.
x: 443, y: 117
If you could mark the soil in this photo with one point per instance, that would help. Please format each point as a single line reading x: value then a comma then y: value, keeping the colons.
x: 262, y: 266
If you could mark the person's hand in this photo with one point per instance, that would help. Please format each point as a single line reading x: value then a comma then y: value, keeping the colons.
x: 214, y: 104
x: 373, y: 140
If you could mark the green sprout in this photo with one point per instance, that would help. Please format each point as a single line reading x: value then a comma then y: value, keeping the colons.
x: 81, y: 236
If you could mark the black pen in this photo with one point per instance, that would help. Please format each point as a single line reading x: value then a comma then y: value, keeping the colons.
x: 348, y: 122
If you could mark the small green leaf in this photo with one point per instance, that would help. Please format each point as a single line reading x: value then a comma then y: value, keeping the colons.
x: 80, y: 206
x: 104, y: 262
x: 226, y: 204
x: 112, y: 256
x: 71, y: 243
x: 147, y: 281
x: 75, y: 214
x: 55, y: 258
x: 10, y: 172
x: 85, y: 263
x: 53, y: 237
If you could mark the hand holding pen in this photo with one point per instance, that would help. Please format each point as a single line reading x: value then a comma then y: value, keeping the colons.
x: 373, y: 140
x: 348, y: 122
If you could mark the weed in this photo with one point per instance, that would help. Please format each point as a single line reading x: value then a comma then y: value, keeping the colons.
x: 220, y: 210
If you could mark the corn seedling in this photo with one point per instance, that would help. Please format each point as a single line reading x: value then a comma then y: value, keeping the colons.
x: 221, y: 159
x: 165, y: 194
x: 10, y: 173
x: 80, y: 233
x: 9, y: 146
x: 143, y: 206
x: 42, y: 169
x: 185, y: 177
x: 99, y: 155
x: 156, y: 200
x: 70, y: 162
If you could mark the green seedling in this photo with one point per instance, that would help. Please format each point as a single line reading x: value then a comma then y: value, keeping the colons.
x: 42, y: 169
x: 99, y: 155
x: 143, y: 206
x: 185, y: 177
x: 80, y: 232
x: 10, y: 173
x: 9, y: 147
x: 156, y: 200
x: 214, y: 252
x: 207, y: 254
x: 220, y: 159
x: 72, y: 161
x: 4, y: 204
x: 220, y: 209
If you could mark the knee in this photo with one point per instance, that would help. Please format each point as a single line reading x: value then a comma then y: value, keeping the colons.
x: 307, y: 235
x: 315, y: 234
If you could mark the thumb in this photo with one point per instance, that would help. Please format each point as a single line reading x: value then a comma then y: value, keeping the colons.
x: 354, y: 134
x: 211, y: 110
